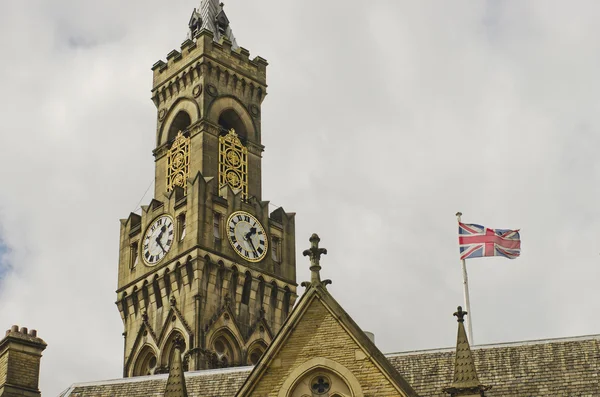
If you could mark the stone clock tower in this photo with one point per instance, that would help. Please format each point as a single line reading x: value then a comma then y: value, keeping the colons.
x: 206, y: 262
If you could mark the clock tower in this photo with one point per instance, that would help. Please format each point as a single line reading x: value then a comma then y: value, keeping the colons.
x: 206, y: 262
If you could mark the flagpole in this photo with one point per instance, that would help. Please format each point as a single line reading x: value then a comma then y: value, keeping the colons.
x: 466, y: 293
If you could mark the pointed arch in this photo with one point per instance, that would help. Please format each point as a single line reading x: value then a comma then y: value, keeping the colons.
x: 226, y: 346
x: 145, y: 362
x: 233, y: 282
x: 157, y: 293
x: 168, y: 347
x: 285, y: 307
x: 260, y: 294
x: 177, y: 116
x: 347, y: 383
x: 247, y: 288
x: 255, y: 351
x: 234, y: 113
x: 167, y: 279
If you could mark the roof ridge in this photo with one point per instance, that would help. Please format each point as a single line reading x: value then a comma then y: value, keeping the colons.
x: 500, y: 344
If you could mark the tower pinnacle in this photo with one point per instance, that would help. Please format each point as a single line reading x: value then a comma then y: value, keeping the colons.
x: 466, y: 382
x: 211, y: 16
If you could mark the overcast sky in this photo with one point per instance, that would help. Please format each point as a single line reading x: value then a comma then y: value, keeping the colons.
x: 383, y: 118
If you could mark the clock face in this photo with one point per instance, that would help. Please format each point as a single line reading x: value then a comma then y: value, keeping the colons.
x: 158, y: 240
x: 247, y: 236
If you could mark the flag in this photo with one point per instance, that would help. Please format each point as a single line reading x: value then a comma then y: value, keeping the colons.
x: 476, y: 241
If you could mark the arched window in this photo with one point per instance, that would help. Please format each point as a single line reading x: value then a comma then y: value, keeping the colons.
x: 260, y: 294
x: 321, y: 382
x: 247, y: 288
x: 145, y: 294
x: 157, y: 293
x: 273, y: 300
x: 145, y: 363
x: 125, y: 305
x: 230, y: 119
x: 167, y: 283
x: 178, y: 277
x: 226, y: 349
x: 255, y: 352
x: 134, y: 298
x: 286, y: 303
x: 180, y: 123
x: 190, y: 271
x: 168, y: 350
x: 233, y: 284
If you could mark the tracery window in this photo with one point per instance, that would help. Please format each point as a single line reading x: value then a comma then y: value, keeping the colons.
x: 321, y: 383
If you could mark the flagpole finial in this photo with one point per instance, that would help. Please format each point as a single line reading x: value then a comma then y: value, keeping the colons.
x: 458, y: 215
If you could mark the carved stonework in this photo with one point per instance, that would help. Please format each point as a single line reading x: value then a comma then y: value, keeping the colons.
x: 178, y: 163
x: 233, y: 163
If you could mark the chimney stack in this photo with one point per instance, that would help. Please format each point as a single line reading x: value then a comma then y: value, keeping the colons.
x: 20, y: 355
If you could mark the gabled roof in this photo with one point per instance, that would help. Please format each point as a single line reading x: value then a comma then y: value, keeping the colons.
x: 320, y: 330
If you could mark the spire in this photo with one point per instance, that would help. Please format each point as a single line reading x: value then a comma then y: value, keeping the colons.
x: 314, y: 253
x: 211, y: 16
x: 176, y: 382
x: 466, y: 382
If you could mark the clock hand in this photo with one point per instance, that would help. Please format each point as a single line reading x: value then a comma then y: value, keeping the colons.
x: 158, y: 238
x: 160, y: 245
x: 252, y: 245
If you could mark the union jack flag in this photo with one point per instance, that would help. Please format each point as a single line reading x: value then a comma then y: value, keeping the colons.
x: 476, y: 241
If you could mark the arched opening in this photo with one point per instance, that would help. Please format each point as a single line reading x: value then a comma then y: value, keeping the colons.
x: 219, y: 279
x: 273, y: 300
x: 230, y: 119
x: 226, y: 349
x: 321, y: 382
x: 157, y: 294
x: 260, y: 294
x: 178, y: 277
x: 255, y: 352
x: 168, y: 350
x: 167, y: 279
x: 286, y: 303
x: 190, y: 271
x: 134, y: 298
x: 247, y: 288
x: 180, y: 123
x: 145, y: 363
x: 125, y: 305
x: 145, y: 294
x: 233, y: 284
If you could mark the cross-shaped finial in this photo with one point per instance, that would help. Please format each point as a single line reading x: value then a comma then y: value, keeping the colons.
x: 460, y: 314
x: 314, y: 253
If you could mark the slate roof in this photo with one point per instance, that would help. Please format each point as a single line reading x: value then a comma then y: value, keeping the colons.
x: 555, y: 367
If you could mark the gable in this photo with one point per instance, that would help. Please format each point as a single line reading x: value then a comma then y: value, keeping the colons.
x: 320, y: 344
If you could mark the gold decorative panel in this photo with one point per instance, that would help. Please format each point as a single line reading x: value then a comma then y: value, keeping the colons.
x: 233, y: 163
x: 178, y: 167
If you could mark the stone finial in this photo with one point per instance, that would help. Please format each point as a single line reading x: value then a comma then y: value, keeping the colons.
x: 176, y: 386
x: 314, y: 253
x: 460, y: 314
x: 466, y: 382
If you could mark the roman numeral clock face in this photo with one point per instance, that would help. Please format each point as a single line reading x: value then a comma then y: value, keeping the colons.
x: 158, y: 240
x: 247, y: 236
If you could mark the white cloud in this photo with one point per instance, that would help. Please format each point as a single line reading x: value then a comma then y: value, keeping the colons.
x: 383, y: 119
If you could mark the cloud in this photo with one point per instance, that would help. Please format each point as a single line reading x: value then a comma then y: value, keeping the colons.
x: 383, y: 119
